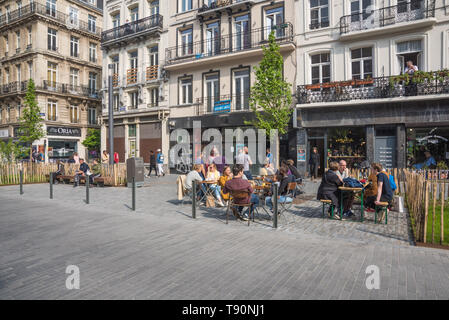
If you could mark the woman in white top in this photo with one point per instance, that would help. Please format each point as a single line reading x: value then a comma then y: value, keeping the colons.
x: 213, y: 175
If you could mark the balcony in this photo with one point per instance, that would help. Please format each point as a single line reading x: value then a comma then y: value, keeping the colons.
x: 383, y: 88
x: 13, y: 87
x: 64, y: 88
x: 115, y: 80
x: 229, y: 44
x: 38, y: 9
x: 223, y: 104
x: 152, y: 73
x: 132, y: 29
x: 220, y: 5
x: 414, y: 14
x: 131, y: 76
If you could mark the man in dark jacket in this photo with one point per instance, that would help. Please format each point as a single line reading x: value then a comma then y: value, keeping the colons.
x: 152, y: 164
x: 328, y: 189
x: 83, y: 171
x: 314, y: 163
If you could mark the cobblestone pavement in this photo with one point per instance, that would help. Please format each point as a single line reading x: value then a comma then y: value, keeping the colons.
x: 159, y: 251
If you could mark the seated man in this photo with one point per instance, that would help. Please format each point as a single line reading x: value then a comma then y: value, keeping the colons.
x: 194, y: 176
x: 384, y: 191
x: 237, y: 183
x: 60, y: 171
x: 348, y: 197
x: 328, y: 189
x: 83, y: 171
x: 283, y: 180
x: 96, y: 170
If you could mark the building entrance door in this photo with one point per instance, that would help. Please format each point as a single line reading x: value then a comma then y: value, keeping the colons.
x: 317, y: 142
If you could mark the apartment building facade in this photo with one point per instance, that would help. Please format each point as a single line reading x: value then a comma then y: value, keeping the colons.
x: 213, y: 49
x: 57, y: 44
x: 351, y: 103
x: 133, y: 42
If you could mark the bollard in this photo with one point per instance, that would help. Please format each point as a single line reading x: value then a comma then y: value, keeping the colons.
x: 275, y: 206
x: 194, y: 200
x: 51, y: 185
x: 134, y: 195
x: 21, y: 181
x: 87, y: 189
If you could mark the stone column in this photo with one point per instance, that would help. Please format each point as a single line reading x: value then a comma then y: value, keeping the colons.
x: 370, y: 136
x: 401, y: 146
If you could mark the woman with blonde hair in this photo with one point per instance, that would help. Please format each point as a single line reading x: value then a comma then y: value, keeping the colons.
x: 214, y: 175
x: 227, y: 175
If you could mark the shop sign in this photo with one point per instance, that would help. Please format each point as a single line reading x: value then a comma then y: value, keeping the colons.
x: 64, y: 131
x: 4, y: 133
x: 222, y: 106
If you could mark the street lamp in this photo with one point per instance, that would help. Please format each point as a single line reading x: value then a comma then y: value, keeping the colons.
x: 110, y: 114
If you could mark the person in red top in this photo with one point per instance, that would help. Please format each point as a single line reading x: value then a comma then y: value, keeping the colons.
x: 116, y: 159
x: 239, y: 184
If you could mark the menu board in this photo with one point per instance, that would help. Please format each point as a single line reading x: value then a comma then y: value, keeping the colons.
x: 385, y: 151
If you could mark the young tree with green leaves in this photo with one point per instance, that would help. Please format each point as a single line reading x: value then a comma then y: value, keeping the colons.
x: 31, y: 127
x: 271, y: 96
x: 93, y: 140
x: 10, y: 151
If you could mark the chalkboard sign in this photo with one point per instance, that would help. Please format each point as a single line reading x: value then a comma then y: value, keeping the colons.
x: 385, y: 151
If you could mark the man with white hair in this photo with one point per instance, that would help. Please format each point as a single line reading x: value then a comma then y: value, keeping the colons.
x: 348, y: 197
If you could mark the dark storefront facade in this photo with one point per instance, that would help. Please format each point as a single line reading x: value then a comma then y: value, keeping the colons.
x: 396, y: 134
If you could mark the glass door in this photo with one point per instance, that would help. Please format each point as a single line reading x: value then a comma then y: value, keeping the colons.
x: 212, y: 91
x: 212, y: 39
x: 242, y: 35
x: 274, y: 19
x: 241, y: 90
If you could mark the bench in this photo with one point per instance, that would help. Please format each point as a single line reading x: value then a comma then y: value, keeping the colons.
x: 327, y: 203
x: 66, y: 179
x: 383, y: 207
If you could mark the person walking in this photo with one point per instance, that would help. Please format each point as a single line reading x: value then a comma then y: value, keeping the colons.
x: 244, y: 159
x: 160, y: 163
x: 76, y: 158
x: 152, y: 164
x: 314, y: 163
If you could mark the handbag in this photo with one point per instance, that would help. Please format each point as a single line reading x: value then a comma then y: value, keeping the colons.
x: 210, y: 201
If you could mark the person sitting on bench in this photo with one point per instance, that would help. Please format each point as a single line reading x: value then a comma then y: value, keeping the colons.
x: 60, y: 171
x: 83, y: 171
x: 384, y: 191
x: 328, y: 189
x: 96, y: 170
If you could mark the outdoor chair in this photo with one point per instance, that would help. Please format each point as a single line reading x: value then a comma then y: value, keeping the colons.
x: 235, y: 195
x: 382, y: 207
x: 286, y: 205
x: 327, y: 203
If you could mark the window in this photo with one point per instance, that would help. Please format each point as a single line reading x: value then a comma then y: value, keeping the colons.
x: 406, y: 6
x: 51, y: 74
x: 212, y: 39
x: 18, y: 112
x: 17, y: 41
x: 154, y: 56
x: 6, y: 44
x: 92, y: 116
x: 134, y: 13
x: 321, y: 68
x: 319, y: 14
x: 274, y: 17
x: 51, y: 7
x: 154, y: 97
x: 92, y: 23
x: 359, y: 10
x: 133, y: 60
x: 241, y: 89
x: 19, y: 73
x: 74, y: 114
x: 19, y: 7
x: 29, y: 37
x: 362, y: 63
x: 116, y: 102
x: 8, y: 113
x: 51, y: 39
x: 92, y: 82
x: 74, y: 46
x: 74, y: 78
x: 30, y: 69
x: 7, y: 75
x: 154, y: 7
x: 51, y: 110
x: 186, y: 91
x: 92, y: 52
x: 187, y: 42
x: 134, y: 96
x: 73, y: 16
x: 8, y: 13
x: 92, y: 2
x: 212, y: 89
x: 186, y: 5
x: 242, y: 34
x: 116, y: 20
x: 409, y: 50
x: 131, y: 130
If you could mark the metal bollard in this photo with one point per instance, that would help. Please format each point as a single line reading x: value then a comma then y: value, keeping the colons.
x: 275, y: 206
x: 51, y: 185
x: 134, y: 195
x: 194, y: 200
x: 21, y: 181
x: 87, y: 189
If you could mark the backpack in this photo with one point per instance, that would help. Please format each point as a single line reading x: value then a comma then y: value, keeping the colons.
x: 392, y: 183
x: 352, y: 183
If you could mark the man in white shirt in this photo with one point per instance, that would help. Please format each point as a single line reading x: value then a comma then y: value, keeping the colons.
x: 411, y: 87
x: 193, y: 175
x: 410, y: 68
x: 244, y: 159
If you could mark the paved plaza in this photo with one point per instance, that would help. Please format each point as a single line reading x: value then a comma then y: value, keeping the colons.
x: 160, y: 252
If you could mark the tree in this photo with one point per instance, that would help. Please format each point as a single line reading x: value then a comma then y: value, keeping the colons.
x: 10, y: 151
x: 271, y: 96
x: 31, y: 128
x: 92, y: 141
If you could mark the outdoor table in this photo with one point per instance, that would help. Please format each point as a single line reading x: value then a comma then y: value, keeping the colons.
x: 208, y: 189
x: 356, y: 190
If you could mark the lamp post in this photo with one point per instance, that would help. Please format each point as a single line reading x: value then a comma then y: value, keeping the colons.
x: 110, y: 115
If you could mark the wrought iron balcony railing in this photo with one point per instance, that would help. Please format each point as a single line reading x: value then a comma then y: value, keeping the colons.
x: 403, y: 12
x: 374, y: 88
x: 227, y: 44
x: 47, y: 12
x: 65, y: 88
x: 132, y: 28
x: 223, y: 104
x: 218, y: 4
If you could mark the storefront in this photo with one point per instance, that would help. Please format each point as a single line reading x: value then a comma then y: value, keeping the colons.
x: 434, y: 140
x: 62, y: 142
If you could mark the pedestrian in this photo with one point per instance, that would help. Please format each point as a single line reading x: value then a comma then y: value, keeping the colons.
x: 152, y: 164
x: 116, y: 157
x: 244, y: 159
x: 105, y: 157
x: 160, y: 163
x: 314, y: 163
x: 76, y: 158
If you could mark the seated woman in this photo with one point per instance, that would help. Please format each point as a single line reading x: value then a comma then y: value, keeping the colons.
x: 214, y: 175
x: 384, y: 192
x: 295, y: 176
x: 328, y: 189
x: 283, y: 180
x: 227, y: 175
x: 371, y: 189
x: 267, y: 169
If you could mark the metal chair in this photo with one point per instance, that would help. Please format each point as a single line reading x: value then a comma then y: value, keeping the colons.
x: 236, y: 195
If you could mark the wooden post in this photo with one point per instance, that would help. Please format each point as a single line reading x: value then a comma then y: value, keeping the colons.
x: 442, y: 213
x: 433, y: 210
x: 426, y: 208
